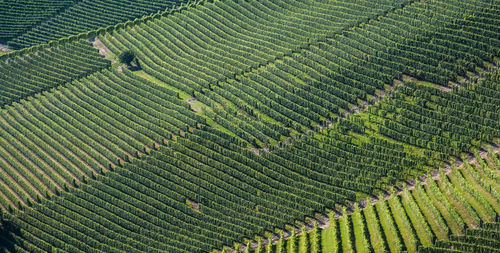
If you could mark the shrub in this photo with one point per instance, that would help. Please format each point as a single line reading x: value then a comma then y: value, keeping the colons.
x: 126, y: 57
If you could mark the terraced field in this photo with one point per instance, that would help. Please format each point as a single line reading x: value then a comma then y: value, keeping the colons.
x: 316, y: 125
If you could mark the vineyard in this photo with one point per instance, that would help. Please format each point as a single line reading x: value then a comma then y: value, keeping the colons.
x: 18, y: 16
x: 301, y: 83
x: 250, y: 126
x: 32, y: 73
x: 443, y: 211
x: 70, y: 18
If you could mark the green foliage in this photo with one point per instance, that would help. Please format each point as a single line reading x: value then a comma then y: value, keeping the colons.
x: 360, y: 240
x: 34, y: 72
x: 374, y: 229
x: 315, y: 239
x: 291, y: 243
x: 126, y: 57
x: 275, y: 81
x: 281, y: 245
x: 400, y: 222
x: 269, y: 246
x: 303, y: 246
x: 18, y: 16
x: 64, y: 18
x: 345, y: 232
x: 329, y: 241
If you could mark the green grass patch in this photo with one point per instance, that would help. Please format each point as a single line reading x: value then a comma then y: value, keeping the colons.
x: 158, y: 82
x: 329, y: 241
x: 403, y: 224
x: 372, y: 223
x: 345, y: 232
x: 427, y: 84
x: 360, y: 241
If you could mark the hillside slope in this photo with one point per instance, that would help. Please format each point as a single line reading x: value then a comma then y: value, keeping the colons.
x: 204, y: 190
x: 18, y: 16
x: 452, y: 210
x: 240, y: 118
x: 86, y: 15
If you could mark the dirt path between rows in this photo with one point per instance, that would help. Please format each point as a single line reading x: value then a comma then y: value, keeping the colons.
x: 15, y: 181
x: 5, y: 209
x: 23, y: 110
x: 103, y: 50
x: 38, y: 157
x: 473, y: 76
x: 4, y: 48
x: 471, y: 159
x: 37, y: 143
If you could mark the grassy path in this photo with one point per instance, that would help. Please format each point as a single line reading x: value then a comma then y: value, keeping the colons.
x: 403, y: 224
x: 377, y: 243
x: 431, y: 214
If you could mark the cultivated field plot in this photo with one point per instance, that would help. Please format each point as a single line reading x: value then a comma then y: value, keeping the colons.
x: 250, y: 126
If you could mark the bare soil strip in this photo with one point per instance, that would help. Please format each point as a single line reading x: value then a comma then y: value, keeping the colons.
x: 4, y: 48
x: 103, y: 50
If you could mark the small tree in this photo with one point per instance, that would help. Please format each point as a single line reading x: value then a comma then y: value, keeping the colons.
x: 126, y: 57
